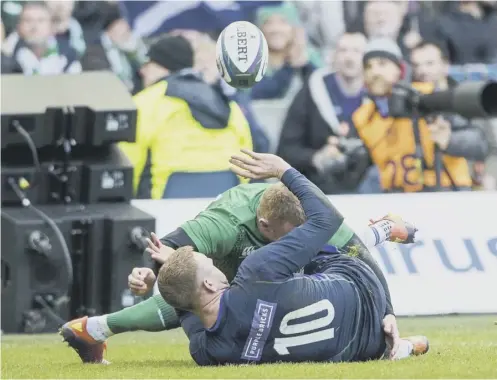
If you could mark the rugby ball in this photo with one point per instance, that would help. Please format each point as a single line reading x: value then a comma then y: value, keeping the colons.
x: 241, y: 54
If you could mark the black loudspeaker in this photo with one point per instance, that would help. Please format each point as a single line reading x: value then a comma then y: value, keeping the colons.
x: 34, y: 266
x: 29, y: 109
x: 107, y: 177
x: 126, y: 230
x: 35, y: 275
x: 95, y: 175
x: 105, y: 241
x: 91, y: 109
x: 17, y: 165
x: 21, y: 174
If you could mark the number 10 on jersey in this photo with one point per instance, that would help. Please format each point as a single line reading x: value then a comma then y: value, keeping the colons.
x: 304, y: 333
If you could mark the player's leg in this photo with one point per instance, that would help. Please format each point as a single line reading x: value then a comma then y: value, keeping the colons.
x: 374, y: 304
x: 88, y: 335
x: 388, y: 228
x: 356, y: 247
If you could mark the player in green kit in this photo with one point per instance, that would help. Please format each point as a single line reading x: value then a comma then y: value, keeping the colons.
x: 238, y: 222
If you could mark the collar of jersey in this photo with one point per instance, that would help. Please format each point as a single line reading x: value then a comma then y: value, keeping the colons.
x: 222, y: 313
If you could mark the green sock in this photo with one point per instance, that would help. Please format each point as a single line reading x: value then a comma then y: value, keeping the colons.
x: 153, y: 314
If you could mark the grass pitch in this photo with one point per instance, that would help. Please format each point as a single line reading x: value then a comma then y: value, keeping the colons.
x: 460, y: 347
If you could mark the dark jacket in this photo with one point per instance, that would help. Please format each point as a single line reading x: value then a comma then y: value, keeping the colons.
x: 91, y: 16
x: 276, y: 85
x: 468, y: 39
x: 310, y: 121
x: 8, y: 64
x: 467, y: 139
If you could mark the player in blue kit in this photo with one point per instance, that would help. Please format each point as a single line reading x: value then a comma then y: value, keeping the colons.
x: 269, y: 313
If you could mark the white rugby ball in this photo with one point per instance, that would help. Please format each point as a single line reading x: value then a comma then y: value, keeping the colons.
x: 241, y: 54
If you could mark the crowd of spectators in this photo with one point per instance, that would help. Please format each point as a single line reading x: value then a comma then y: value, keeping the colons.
x: 304, y: 107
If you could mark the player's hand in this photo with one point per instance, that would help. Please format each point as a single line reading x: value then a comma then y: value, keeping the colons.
x: 258, y: 165
x: 141, y: 281
x: 392, y: 335
x: 158, y: 251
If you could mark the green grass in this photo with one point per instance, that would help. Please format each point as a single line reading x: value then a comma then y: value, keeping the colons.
x: 461, y: 347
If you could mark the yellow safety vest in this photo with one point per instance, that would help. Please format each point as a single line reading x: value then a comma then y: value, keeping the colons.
x: 169, y: 139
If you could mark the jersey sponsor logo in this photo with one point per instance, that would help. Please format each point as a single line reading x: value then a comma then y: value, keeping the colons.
x: 261, y: 326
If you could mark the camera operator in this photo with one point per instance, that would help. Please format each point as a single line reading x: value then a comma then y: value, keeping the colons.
x: 430, y: 63
x: 404, y: 165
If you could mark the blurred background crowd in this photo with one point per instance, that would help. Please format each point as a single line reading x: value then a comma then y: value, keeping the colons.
x: 303, y: 108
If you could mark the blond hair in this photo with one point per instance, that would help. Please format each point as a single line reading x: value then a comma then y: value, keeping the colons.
x: 280, y: 205
x: 177, y: 279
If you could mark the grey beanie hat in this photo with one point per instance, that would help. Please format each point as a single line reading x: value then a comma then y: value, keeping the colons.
x: 385, y: 48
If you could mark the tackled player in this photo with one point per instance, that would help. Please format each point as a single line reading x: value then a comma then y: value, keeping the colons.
x: 270, y: 313
x: 240, y: 221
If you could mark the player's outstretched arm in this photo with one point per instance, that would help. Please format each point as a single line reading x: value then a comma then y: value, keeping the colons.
x: 286, y: 256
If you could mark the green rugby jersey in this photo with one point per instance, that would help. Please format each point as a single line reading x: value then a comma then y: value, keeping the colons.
x: 227, y: 229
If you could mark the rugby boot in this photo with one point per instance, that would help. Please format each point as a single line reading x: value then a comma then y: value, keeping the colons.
x: 401, y: 232
x: 409, y: 346
x: 420, y: 344
x: 89, y: 350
